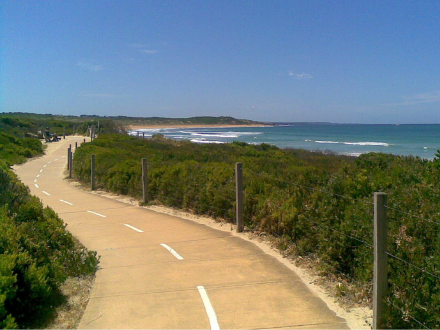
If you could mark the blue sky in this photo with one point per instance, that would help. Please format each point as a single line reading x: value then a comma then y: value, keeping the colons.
x: 337, y: 61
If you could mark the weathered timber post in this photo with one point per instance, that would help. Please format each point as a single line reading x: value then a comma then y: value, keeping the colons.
x: 71, y: 163
x: 380, y: 275
x: 76, y: 145
x: 144, y: 180
x: 143, y: 135
x: 64, y: 133
x: 92, y: 172
x: 239, y: 208
x: 68, y: 155
x: 74, y: 129
x: 84, y: 140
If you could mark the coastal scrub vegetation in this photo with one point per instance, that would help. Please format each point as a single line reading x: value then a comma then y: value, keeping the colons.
x: 37, y: 253
x: 318, y: 206
x: 14, y: 150
x: 31, y: 125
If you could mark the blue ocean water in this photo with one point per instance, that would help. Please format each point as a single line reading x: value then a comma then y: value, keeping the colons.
x: 348, y: 139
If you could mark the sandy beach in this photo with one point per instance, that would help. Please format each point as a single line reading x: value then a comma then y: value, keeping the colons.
x: 137, y: 127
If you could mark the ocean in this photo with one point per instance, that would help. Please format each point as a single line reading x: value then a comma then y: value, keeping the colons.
x: 347, y: 139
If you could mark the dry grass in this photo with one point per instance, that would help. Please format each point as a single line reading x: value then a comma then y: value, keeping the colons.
x: 77, y: 291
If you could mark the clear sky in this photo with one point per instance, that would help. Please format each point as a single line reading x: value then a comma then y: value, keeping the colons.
x: 356, y: 61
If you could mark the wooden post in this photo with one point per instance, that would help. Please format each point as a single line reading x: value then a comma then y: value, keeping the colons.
x: 143, y: 135
x: 92, y: 172
x: 76, y: 145
x: 144, y: 181
x: 64, y: 133
x: 71, y: 163
x: 380, y: 275
x: 239, y: 208
x: 74, y: 129
x: 68, y: 155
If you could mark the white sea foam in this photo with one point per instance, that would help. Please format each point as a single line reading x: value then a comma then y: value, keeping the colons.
x: 353, y: 154
x: 206, y: 141
x: 383, y: 144
x: 329, y: 142
x: 218, y: 135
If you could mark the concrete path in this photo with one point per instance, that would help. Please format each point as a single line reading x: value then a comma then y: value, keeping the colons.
x: 162, y: 272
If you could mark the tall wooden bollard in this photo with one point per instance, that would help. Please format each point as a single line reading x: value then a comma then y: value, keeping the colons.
x: 70, y: 163
x: 68, y: 157
x: 76, y: 145
x: 92, y: 172
x: 143, y: 135
x: 144, y: 180
x: 64, y: 133
x: 239, y: 208
x: 380, y: 275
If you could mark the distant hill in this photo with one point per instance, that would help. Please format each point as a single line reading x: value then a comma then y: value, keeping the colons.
x: 204, y: 120
x: 36, y: 120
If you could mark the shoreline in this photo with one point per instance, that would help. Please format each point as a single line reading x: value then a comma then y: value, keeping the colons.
x: 170, y: 126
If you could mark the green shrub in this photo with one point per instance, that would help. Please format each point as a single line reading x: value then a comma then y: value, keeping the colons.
x: 37, y: 254
x: 319, y: 204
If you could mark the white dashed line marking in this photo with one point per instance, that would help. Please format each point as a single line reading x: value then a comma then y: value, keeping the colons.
x: 49, y: 162
x: 35, y: 180
x: 45, y: 192
x: 61, y: 200
x: 97, y: 214
x: 36, y: 186
x: 38, y: 175
x: 41, y: 170
x: 209, y: 309
x: 56, y: 159
x: 134, y: 228
x: 172, y: 251
x: 44, y: 165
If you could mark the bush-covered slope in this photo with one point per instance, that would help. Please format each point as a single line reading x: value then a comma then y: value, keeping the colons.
x: 37, y: 254
x: 29, y: 124
x: 14, y: 150
x: 317, y: 205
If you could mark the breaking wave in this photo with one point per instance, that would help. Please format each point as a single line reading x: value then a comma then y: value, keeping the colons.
x: 381, y: 144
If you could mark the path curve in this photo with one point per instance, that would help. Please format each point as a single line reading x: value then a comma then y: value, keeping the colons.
x: 159, y: 271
